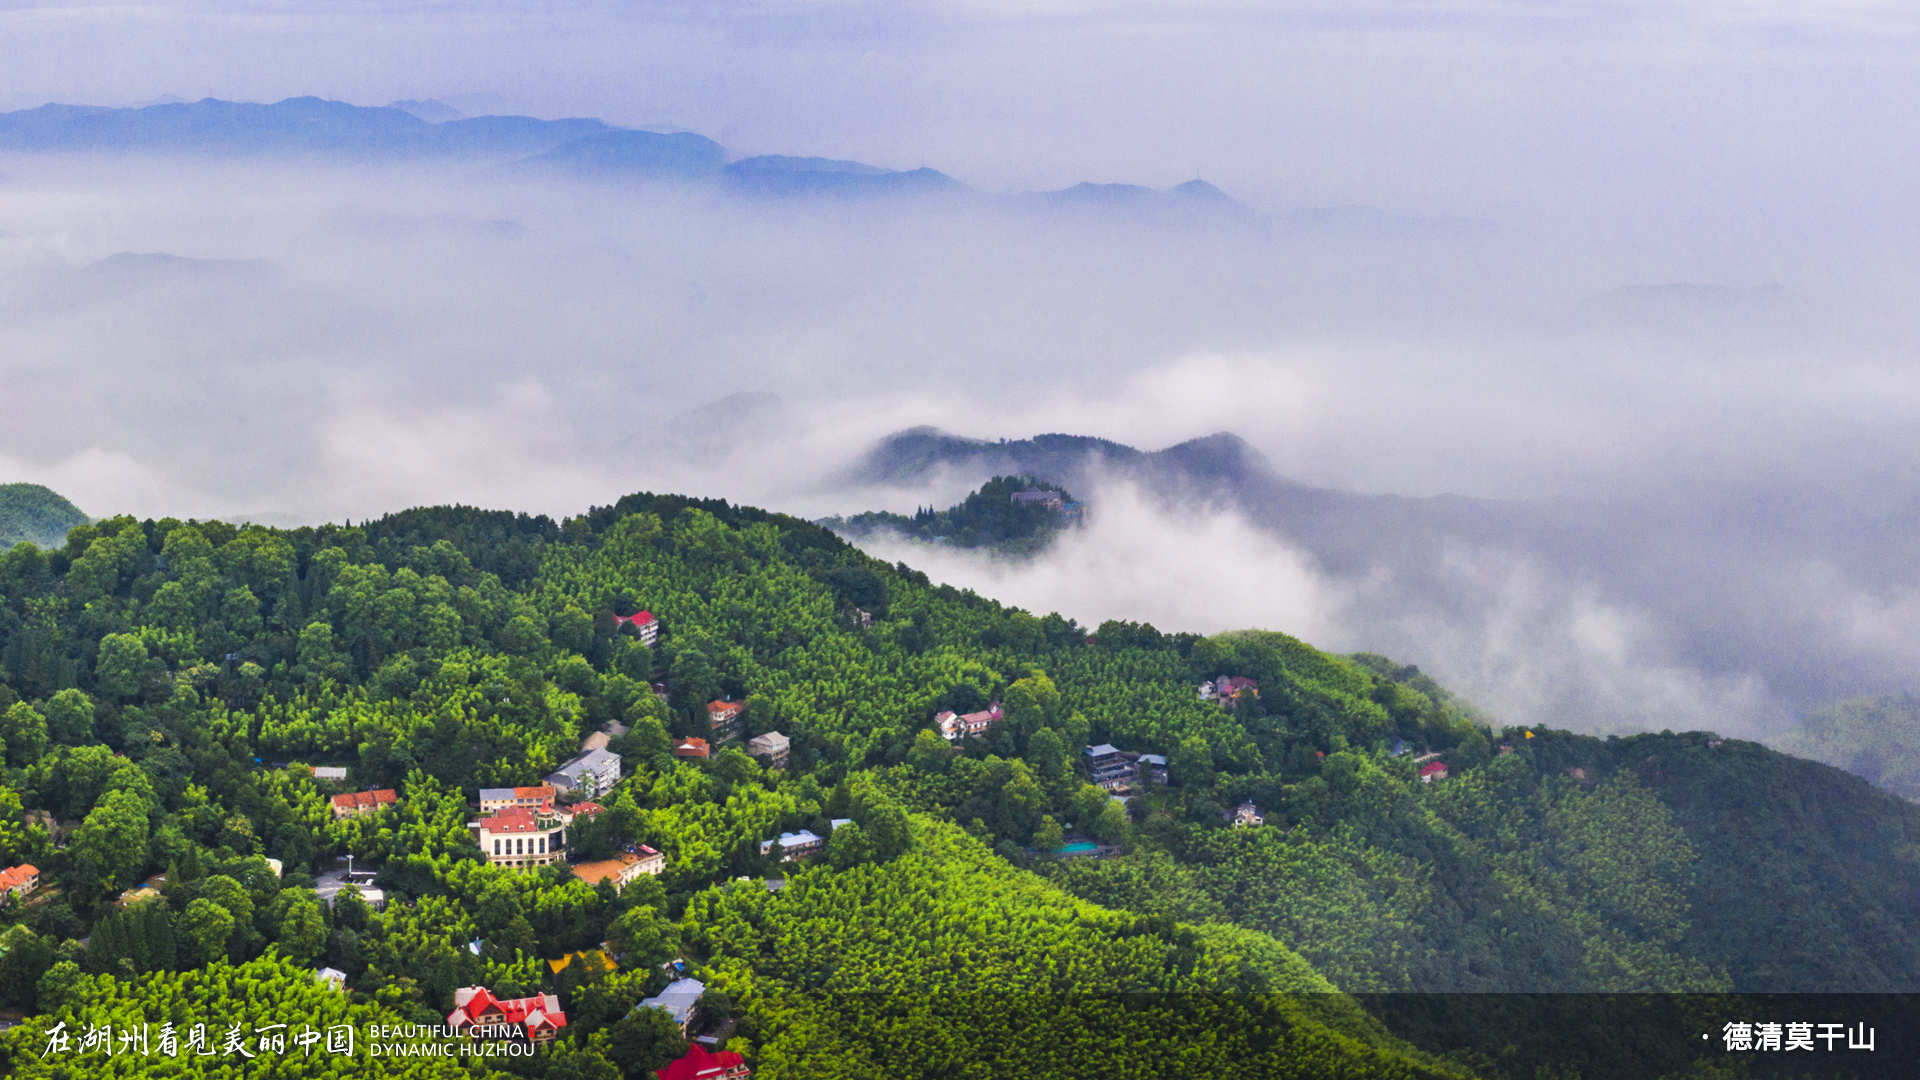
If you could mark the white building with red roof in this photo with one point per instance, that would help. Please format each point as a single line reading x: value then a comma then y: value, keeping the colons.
x: 20, y: 880
x: 479, y: 1015
x: 725, y: 718
x: 1433, y: 770
x: 955, y: 725
x: 355, y: 803
x: 520, y: 838
x: 644, y: 624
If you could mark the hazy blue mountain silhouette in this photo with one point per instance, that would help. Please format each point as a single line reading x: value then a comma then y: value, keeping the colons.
x: 594, y: 150
x: 645, y: 155
x: 781, y: 176
x: 305, y: 125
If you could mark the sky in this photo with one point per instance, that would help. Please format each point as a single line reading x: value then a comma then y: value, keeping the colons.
x: 1652, y: 255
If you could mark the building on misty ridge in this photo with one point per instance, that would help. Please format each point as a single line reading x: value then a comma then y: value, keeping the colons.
x: 587, y: 775
x: 1049, y: 499
x: 1110, y: 767
x: 644, y: 624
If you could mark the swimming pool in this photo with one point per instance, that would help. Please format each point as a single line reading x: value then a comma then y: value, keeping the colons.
x: 1080, y: 847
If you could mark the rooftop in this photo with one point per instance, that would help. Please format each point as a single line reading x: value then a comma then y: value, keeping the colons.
x: 700, y: 1064
x: 364, y: 800
x: 678, y: 999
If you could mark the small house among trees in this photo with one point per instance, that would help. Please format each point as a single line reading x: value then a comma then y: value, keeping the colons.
x: 355, y: 803
x: 644, y: 624
x: 953, y: 726
x: 19, y: 880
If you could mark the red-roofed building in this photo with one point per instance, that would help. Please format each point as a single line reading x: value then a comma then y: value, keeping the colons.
x: 480, y: 1015
x: 726, y: 718
x: 533, y: 798
x: 643, y: 623
x: 1229, y: 688
x: 20, y: 880
x: 701, y: 1064
x: 690, y: 748
x: 953, y: 725
x: 1433, y: 770
x: 356, y: 803
x: 520, y: 838
x: 585, y: 809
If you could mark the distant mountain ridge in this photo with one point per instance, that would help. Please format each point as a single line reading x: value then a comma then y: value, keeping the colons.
x: 431, y: 130
x: 1695, y: 574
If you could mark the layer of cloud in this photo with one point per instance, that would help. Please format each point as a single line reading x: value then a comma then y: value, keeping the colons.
x: 344, y: 342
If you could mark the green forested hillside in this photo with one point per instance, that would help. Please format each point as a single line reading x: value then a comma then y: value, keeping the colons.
x: 1877, y: 738
x: 167, y: 686
x: 986, y: 518
x: 33, y: 514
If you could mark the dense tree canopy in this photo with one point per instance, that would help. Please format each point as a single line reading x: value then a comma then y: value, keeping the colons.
x: 167, y: 688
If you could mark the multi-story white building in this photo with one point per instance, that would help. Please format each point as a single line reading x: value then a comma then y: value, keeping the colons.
x: 773, y: 746
x: 643, y: 622
x: 1110, y: 767
x: 588, y: 775
x: 725, y: 718
x: 522, y: 838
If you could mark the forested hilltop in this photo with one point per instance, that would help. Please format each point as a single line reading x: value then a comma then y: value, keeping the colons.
x: 979, y: 908
x: 34, y: 514
x: 1011, y: 515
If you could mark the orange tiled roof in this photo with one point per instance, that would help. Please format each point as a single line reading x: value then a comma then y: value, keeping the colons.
x: 362, y: 800
x: 513, y: 819
x: 15, y: 876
